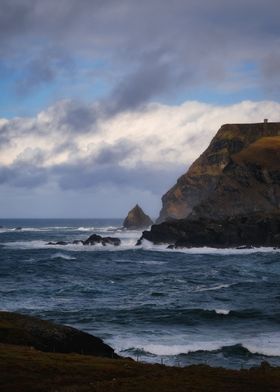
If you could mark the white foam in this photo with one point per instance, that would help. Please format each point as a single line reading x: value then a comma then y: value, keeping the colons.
x: 216, y: 287
x: 262, y: 344
x: 152, y: 262
x: 222, y: 311
x: 39, y: 244
x: 207, y: 250
x: 167, y: 348
x: 265, y: 343
x: 64, y: 256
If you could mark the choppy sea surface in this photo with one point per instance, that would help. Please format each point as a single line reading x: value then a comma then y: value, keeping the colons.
x: 220, y: 307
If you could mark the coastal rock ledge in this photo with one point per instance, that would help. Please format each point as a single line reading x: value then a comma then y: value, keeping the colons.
x: 253, y: 230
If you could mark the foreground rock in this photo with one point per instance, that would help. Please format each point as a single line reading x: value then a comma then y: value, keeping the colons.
x: 94, y: 239
x: 50, y: 337
x: 239, y: 173
x: 136, y: 219
x: 253, y: 230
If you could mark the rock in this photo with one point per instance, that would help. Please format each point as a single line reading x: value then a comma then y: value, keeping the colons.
x: 78, y: 242
x: 238, y: 173
x: 59, y: 243
x: 136, y: 219
x: 18, y: 228
x: 92, y: 240
x: 97, y: 239
x: 50, y: 337
x: 242, y: 231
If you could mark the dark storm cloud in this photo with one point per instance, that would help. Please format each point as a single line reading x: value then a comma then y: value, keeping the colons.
x: 23, y: 175
x: 83, y: 175
x: 109, y: 155
x: 198, y: 38
x: 91, y: 175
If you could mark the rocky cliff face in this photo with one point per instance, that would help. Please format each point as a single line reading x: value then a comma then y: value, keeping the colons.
x: 238, y: 173
x: 137, y: 219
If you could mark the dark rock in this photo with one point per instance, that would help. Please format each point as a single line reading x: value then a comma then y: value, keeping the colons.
x: 111, y: 241
x: 136, y: 219
x: 18, y: 228
x: 92, y: 240
x: 244, y: 232
x: 50, y: 337
x: 58, y: 243
x: 97, y: 239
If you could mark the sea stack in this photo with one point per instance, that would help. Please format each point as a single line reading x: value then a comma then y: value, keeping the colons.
x: 136, y: 219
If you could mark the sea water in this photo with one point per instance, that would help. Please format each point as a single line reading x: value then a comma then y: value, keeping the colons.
x: 177, y: 307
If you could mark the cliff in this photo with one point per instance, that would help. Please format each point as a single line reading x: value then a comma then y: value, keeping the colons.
x: 239, y: 172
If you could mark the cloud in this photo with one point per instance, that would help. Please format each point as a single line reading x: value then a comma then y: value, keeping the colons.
x: 147, y: 48
x: 147, y: 149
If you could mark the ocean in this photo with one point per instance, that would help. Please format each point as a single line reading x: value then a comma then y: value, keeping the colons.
x: 210, y: 306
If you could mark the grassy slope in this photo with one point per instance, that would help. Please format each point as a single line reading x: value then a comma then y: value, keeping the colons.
x: 265, y: 152
x: 24, y: 369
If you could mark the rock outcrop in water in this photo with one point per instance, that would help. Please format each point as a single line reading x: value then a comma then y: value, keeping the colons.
x: 97, y: 239
x: 94, y: 239
x: 50, y: 337
x: 238, y: 173
x: 231, y: 194
x: 136, y: 219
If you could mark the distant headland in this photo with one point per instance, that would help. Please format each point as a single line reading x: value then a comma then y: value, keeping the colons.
x: 230, y: 196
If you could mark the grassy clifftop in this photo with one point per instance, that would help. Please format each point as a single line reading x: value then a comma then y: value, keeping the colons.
x: 26, y: 370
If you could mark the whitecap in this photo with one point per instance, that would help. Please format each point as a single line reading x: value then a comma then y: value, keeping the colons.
x: 222, y: 311
x: 152, y: 262
x: 216, y: 287
x: 63, y: 256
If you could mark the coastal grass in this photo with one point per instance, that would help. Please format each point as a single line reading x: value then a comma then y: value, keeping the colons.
x: 25, y: 369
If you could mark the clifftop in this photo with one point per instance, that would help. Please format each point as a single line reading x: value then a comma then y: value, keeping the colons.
x: 239, y: 157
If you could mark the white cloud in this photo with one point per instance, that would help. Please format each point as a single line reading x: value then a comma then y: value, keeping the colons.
x: 158, y: 135
x: 104, y: 167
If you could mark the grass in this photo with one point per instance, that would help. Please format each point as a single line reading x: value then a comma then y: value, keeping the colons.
x: 24, y: 369
x: 264, y: 152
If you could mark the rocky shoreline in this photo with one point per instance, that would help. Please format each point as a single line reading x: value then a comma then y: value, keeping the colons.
x: 252, y: 230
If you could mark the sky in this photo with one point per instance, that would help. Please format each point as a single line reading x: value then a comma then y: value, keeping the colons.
x: 105, y: 103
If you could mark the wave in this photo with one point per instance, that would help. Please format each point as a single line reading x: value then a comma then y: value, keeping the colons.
x: 222, y: 311
x: 215, y: 287
x: 63, y: 256
x: 191, y: 350
x: 40, y: 244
